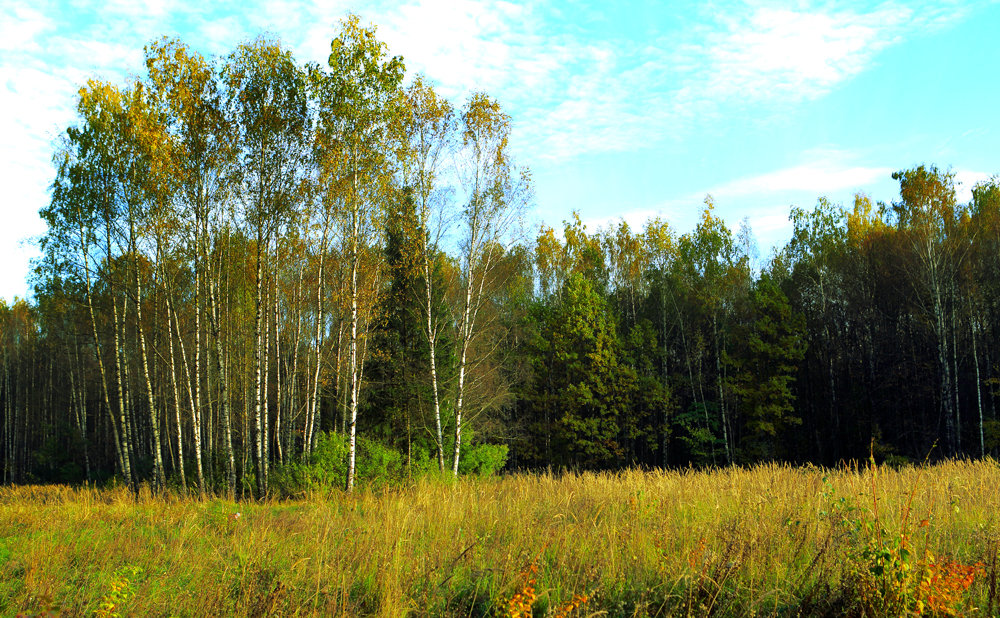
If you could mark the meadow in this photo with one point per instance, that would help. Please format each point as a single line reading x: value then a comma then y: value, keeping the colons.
x: 771, y: 540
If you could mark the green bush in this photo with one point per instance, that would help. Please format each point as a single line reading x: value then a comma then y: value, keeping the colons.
x: 326, y: 467
x: 483, y: 459
x: 376, y: 465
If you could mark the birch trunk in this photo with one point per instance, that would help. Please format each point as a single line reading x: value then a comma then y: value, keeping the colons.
x: 464, y: 333
x: 432, y: 342
x: 227, y: 432
x: 177, y: 396
x: 123, y: 464
x: 293, y: 391
x: 353, y: 354
x: 314, y: 406
x: 195, y: 415
x: 277, y: 377
x: 722, y: 400
x: 159, y: 479
x: 126, y: 437
x: 265, y: 420
x: 258, y: 387
x: 979, y: 391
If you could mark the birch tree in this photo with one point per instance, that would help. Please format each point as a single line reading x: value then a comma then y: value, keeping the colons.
x: 268, y: 103
x: 428, y: 131
x: 357, y: 98
x: 496, y: 195
x: 189, y: 91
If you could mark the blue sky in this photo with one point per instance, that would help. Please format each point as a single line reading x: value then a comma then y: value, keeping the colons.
x: 621, y: 110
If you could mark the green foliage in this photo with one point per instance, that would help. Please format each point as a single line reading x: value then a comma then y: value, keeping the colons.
x: 378, y: 466
x: 695, y: 430
x: 483, y: 459
x: 581, y: 390
x: 764, y: 363
x: 119, y: 592
x: 326, y: 468
x: 991, y: 435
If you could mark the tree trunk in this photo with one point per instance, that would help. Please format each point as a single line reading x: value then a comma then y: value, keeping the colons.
x: 979, y: 391
x: 126, y: 432
x: 258, y: 446
x: 314, y: 407
x: 79, y: 394
x: 177, y: 395
x: 227, y: 431
x: 722, y: 400
x: 123, y: 464
x: 277, y: 375
x: 945, y: 369
x: 465, y: 330
x: 293, y: 391
x: 353, y: 355
x: 159, y: 477
x: 432, y: 341
x: 195, y: 414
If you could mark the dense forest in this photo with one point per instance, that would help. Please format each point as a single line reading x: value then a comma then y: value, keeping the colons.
x: 247, y: 257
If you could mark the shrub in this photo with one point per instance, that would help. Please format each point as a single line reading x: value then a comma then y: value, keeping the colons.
x: 377, y: 465
x: 483, y: 459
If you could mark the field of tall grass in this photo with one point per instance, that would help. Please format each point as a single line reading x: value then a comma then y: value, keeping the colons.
x: 770, y: 540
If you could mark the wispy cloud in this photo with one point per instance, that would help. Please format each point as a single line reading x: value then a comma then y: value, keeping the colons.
x: 819, y: 176
x: 764, y: 199
x: 575, y: 87
x: 578, y: 93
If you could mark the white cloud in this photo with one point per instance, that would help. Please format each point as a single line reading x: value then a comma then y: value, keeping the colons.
x: 765, y: 199
x: 20, y: 27
x: 782, y: 53
x: 965, y: 181
x: 574, y: 89
x: 817, y: 177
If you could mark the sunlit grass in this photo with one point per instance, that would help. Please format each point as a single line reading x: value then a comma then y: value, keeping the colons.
x: 769, y: 540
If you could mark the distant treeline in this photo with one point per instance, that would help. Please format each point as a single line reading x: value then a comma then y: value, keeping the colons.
x: 245, y: 252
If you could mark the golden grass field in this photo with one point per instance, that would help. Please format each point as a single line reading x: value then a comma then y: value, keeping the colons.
x: 770, y: 540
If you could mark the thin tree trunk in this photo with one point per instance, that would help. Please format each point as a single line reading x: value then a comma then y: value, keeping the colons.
x: 8, y: 458
x: 177, y: 395
x: 78, y: 402
x: 353, y: 359
x: 954, y: 373
x: 126, y: 438
x: 265, y: 440
x: 314, y: 408
x: 277, y: 375
x: 979, y: 391
x: 722, y: 400
x: 294, y: 390
x: 123, y: 464
x: 227, y: 432
x: 664, y: 376
x: 945, y: 368
x: 473, y: 298
x: 195, y: 413
x: 432, y: 342
x: 258, y: 450
x: 159, y: 477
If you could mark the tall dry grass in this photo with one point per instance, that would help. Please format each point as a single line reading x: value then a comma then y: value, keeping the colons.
x: 768, y: 540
